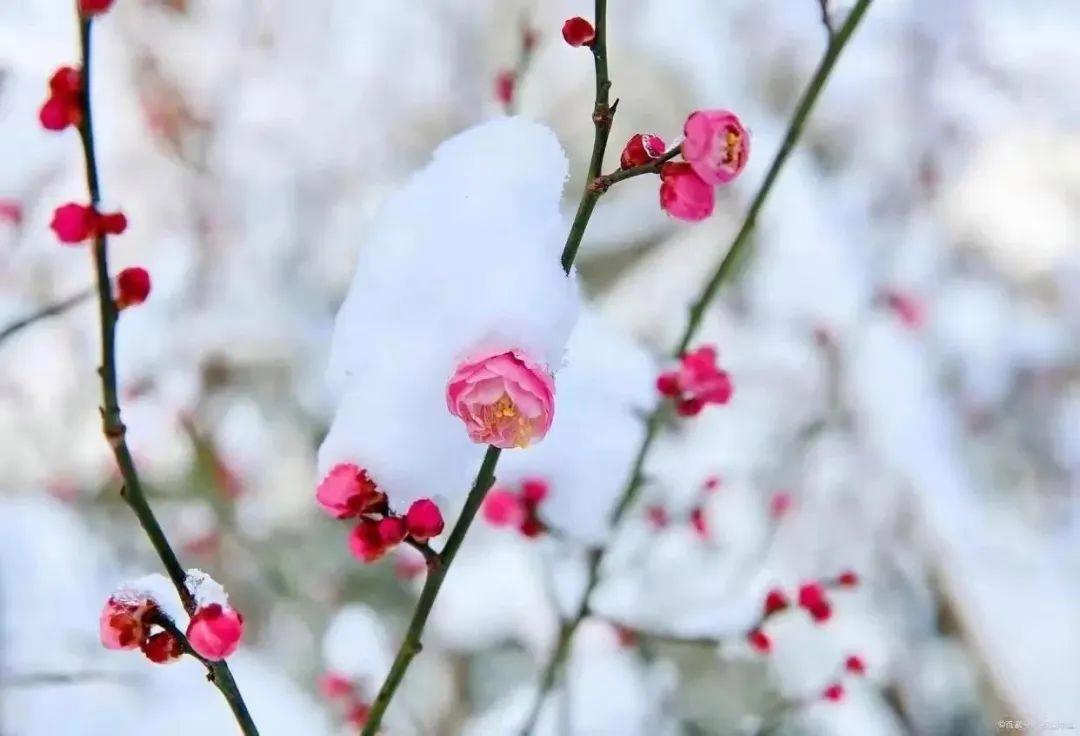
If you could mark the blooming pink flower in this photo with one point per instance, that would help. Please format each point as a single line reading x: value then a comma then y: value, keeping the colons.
x: 424, y: 520
x: 759, y: 641
x: 716, y: 145
x: 64, y: 104
x: 503, y: 508
x: 123, y: 624
x: 215, y: 630
x: 855, y: 665
x: 577, y: 31
x: 504, y: 399
x: 505, y: 84
x: 347, y: 490
x: 334, y: 686
x: 162, y: 648
x: 697, y: 382
x: 775, y: 601
x: 641, y: 149
x: 834, y: 692
x: 132, y: 287
x: 683, y: 194
x: 94, y: 7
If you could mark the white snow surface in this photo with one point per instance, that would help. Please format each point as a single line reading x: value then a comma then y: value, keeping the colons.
x: 462, y: 260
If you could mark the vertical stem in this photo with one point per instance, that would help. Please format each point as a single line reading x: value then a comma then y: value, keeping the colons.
x: 411, y: 645
x: 837, y: 42
x: 602, y: 117
x: 112, y: 424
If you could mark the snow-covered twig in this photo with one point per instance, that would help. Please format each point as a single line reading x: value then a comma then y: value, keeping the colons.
x: 112, y: 424
x: 726, y: 268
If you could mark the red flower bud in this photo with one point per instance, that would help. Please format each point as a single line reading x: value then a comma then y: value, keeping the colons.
x: 424, y: 520
x: 132, y: 287
x: 578, y: 32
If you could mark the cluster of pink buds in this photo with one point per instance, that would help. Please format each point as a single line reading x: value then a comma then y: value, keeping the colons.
x: 715, y: 150
x: 519, y: 509
x: 854, y: 666
x: 343, y: 693
x: 697, y: 382
x: 75, y: 223
x: 63, y: 106
x: 811, y: 597
x: 132, y: 618
x: 659, y: 518
x: 348, y: 492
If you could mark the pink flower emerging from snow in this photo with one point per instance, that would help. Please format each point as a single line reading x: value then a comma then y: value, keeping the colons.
x: 716, y: 145
x: 123, y: 624
x: 215, y: 631
x: 685, y: 195
x: 697, y: 382
x: 347, y: 490
x: 505, y: 400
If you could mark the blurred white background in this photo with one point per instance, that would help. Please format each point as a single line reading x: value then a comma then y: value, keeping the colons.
x: 913, y: 297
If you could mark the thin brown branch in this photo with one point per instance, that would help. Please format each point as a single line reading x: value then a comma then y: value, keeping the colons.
x: 50, y: 310
x: 112, y: 424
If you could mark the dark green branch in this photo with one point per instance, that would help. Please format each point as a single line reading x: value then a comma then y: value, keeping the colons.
x: 741, y: 241
x: 112, y: 424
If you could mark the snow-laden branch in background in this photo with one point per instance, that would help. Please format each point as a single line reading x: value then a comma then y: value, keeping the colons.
x: 732, y: 258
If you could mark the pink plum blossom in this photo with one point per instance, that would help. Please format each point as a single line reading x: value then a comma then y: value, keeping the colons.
x: 716, y: 145
x: 123, y: 623
x: 683, y: 194
x: 504, y: 399
x: 347, y: 490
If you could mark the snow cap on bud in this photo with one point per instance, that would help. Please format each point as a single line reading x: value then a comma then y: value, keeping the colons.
x: 123, y: 624
x: 716, y: 145
x: 215, y: 631
x: 641, y: 149
x: 162, y: 648
x: 132, y: 287
x: 424, y: 520
x: 63, y: 107
x: 683, y: 194
x: 577, y: 31
x: 504, y: 399
x: 88, y: 8
x: 347, y: 490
